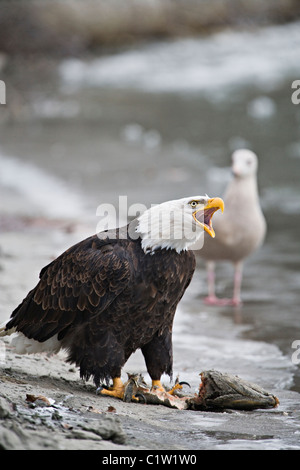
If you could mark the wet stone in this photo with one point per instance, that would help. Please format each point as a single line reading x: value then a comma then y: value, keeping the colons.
x: 5, y: 408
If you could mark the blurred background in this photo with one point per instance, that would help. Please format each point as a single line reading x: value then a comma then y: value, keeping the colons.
x: 148, y: 99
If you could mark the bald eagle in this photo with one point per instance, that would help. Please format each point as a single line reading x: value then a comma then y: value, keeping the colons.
x: 116, y: 292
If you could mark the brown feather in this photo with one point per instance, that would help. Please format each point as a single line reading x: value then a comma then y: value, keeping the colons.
x: 104, y: 298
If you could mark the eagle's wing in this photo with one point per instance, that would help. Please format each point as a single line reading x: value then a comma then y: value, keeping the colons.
x: 83, y: 281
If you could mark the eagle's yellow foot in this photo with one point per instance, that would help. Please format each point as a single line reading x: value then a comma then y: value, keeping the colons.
x: 117, y: 390
x: 157, y: 386
x: 177, y: 386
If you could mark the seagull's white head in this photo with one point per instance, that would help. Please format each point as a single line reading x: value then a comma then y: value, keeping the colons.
x: 177, y: 224
x: 244, y: 163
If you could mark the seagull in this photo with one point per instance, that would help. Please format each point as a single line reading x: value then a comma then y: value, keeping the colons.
x: 241, y: 229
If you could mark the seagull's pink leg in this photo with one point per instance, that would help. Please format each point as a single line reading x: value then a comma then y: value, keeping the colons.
x: 211, y: 299
x: 238, y: 276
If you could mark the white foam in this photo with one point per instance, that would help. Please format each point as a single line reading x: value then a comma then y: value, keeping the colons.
x: 210, y: 64
x: 44, y: 193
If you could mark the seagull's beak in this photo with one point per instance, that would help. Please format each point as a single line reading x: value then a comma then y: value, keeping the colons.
x: 204, y: 215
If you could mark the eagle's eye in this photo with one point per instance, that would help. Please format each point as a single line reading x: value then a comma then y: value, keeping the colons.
x: 193, y: 204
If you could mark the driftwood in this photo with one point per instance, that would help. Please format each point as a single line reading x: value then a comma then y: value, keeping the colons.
x: 217, y: 391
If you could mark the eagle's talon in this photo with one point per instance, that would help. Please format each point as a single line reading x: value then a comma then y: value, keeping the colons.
x: 178, y: 386
x: 117, y: 390
x: 99, y: 389
x: 184, y: 383
x: 158, y: 387
x: 103, y: 386
x: 141, y: 398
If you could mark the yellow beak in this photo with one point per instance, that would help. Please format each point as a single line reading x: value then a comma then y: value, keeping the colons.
x: 204, y: 215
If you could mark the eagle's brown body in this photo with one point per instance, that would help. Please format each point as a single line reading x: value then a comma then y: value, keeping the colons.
x: 104, y: 298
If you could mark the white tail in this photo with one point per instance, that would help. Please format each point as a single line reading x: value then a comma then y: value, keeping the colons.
x: 4, y: 332
x: 23, y: 345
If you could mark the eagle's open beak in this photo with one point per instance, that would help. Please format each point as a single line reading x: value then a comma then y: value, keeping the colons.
x: 204, y: 216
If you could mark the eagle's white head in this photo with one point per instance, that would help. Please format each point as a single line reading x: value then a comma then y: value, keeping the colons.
x: 178, y: 224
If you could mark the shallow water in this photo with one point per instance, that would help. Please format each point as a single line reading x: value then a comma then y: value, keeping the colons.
x: 160, y: 122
